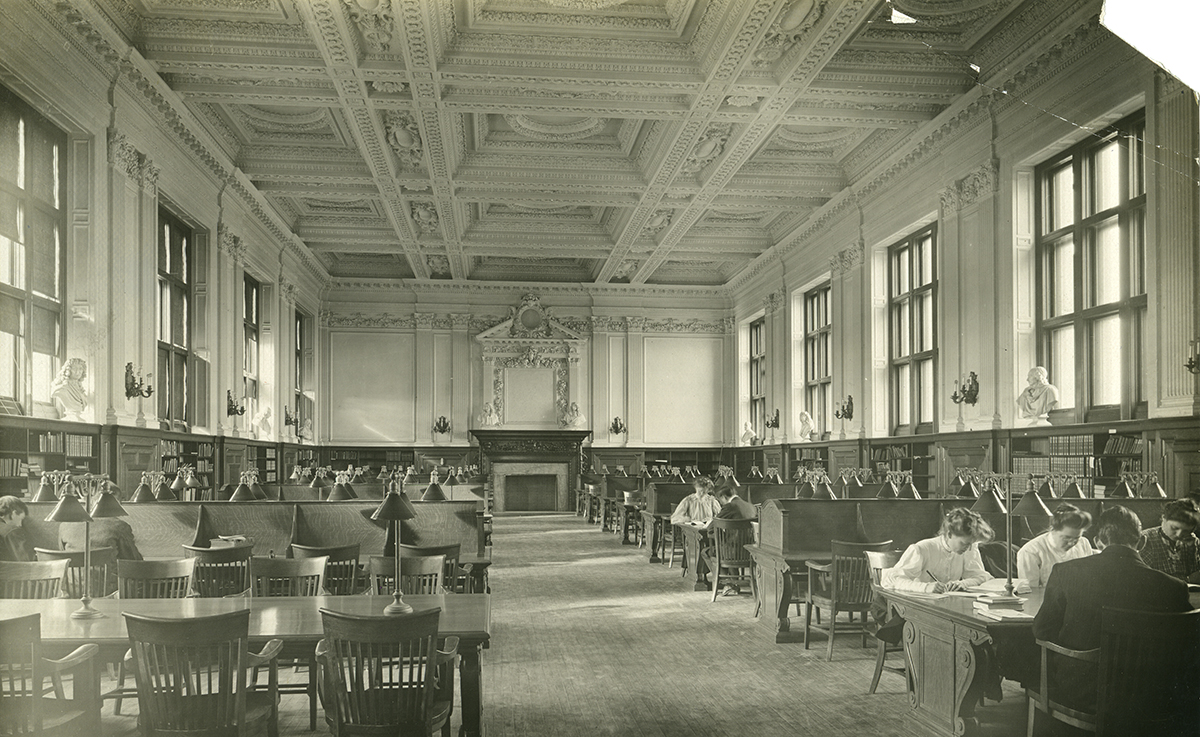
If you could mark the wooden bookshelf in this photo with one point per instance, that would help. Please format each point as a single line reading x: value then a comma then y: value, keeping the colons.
x: 30, y: 446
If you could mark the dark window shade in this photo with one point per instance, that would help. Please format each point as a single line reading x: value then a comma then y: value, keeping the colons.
x: 10, y: 119
x: 45, y: 331
x: 40, y: 165
x: 8, y: 215
x: 198, y: 389
x: 42, y: 252
x: 12, y: 315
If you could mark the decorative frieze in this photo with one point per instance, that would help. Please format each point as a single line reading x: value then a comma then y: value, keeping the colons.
x: 332, y: 319
x: 423, y: 320
x: 847, y: 259
x: 148, y: 173
x: 460, y: 320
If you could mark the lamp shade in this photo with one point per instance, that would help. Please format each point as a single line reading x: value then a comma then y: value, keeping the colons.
x: 177, y: 484
x: 45, y: 492
x: 823, y: 490
x: 395, y: 506
x: 1031, y: 505
x: 805, y: 490
x: 383, y: 474
x: 409, y: 476
x: 68, y: 509
x: 109, y: 504
x: 956, y: 485
x: 460, y: 477
x: 853, y: 486
x: 755, y: 473
x: 1152, y: 490
x: 192, y: 482
x: 888, y: 490
x: 318, y: 481
x: 989, y: 503
x: 143, y: 494
x: 1046, y: 490
x: 339, y: 493
x: 839, y: 487
x: 164, y: 493
x: 1072, y: 491
x: 774, y: 478
x: 259, y: 492
x: 242, y: 493
x: 433, y: 493
x: 908, y: 491
x: 295, y: 474
x: 1122, y: 490
x: 732, y: 482
x: 969, y: 490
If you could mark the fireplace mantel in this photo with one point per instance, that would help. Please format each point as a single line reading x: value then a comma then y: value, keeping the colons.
x: 534, y: 447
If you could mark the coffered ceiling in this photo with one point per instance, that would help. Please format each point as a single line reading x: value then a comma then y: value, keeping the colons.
x: 640, y: 141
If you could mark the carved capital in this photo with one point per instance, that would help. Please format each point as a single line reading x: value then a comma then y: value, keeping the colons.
x: 148, y: 173
x: 460, y: 320
x: 950, y: 199
x: 122, y: 156
x: 231, y: 244
x: 635, y: 324
x: 288, y: 290
x: 772, y: 303
x: 423, y: 320
x: 984, y: 181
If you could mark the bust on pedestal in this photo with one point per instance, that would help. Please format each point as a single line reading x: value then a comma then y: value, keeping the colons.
x: 67, y: 389
x: 1038, y: 398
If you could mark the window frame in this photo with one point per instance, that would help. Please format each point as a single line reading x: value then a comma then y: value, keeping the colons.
x: 818, y: 338
x: 179, y: 410
x: 1130, y: 308
x: 24, y: 399
x: 252, y: 292
x: 757, y: 354
x: 910, y: 296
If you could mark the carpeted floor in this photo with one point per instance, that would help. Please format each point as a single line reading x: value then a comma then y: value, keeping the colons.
x: 588, y: 638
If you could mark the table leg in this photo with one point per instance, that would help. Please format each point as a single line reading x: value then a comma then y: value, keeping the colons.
x: 627, y: 524
x: 691, y: 546
x: 470, y: 672
x: 656, y: 534
x: 941, y: 661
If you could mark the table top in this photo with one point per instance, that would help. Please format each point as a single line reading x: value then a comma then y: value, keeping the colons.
x: 293, y: 618
x: 794, y: 558
x: 961, y: 608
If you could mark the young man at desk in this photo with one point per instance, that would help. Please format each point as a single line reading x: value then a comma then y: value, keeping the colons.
x: 1078, y: 590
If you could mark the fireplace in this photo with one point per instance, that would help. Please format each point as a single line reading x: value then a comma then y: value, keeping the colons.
x: 532, y: 470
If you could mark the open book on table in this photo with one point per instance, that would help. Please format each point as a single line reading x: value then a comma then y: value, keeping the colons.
x: 996, y: 586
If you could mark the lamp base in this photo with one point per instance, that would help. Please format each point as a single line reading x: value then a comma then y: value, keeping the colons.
x: 397, y: 606
x: 87, y: 611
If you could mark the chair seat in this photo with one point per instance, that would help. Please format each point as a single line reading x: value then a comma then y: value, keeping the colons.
x: 258, y: 709
x: 438, y: 714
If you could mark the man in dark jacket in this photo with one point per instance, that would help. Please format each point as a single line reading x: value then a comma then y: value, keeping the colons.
x: 733, y: 506
x: 1078, y: 590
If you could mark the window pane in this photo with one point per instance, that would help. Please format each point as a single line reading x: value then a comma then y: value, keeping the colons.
x: 1106, y: 360
x: 1061, y: 207
x: 925, y: 261
x: 1103, y: 265
x: 178, y: 336
x: 1137, y: 252
x: 42, y: 251
x: 1139, y: 358
x: 1104, y: 178
x: 903, y: 395
x: 900, y: 265
x: 926, y: 390
x: 40, y: 160
x: 163, y: 385
x: 902, y: 327
x: 1137, y: 162
x: 924, y: 341
x: 10, y: 224
x: 178, y: 387
x: 1062, y: 364
x: 1061, y: 277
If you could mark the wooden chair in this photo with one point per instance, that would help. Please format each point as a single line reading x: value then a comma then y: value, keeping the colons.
x: 221, y: 571
x: 1149, y: 675
x: 842, y: 585
x: 673, y: 536
x: 287, y: 576
x: 1044, y: 700
x: 342, y: 574
x: 191, y: 676
x: 36, y: 580
x: 148, y: 579
x: 25, y: 705
x: 726, y: 555
x: 104, y: 569
x: 876, y: 563
x: 385, y: 675
x: 419, y: 574
x: 454, y: 578
x: 155, y: 579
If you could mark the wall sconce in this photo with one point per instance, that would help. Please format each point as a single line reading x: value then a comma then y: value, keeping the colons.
x: 967, y: 392
x: 134, y: 385
x: 616, y: 427
x: 231, y: 407
x: 845, y: 410
x: 1193, y: 362
x: 772, y: 422
x: 442, y: 426
x: 289, y: 419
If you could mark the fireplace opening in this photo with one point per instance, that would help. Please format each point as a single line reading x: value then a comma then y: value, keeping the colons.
x: 530, y: 492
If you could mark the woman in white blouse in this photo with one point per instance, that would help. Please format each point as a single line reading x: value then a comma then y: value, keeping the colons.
x: 948, y: 562
x: 1063, y: 541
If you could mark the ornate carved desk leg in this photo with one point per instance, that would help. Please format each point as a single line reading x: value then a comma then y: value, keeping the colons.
x: 941, y: 662
x: 470, y: 672
x: 656, y: 539
x: 627, y: 524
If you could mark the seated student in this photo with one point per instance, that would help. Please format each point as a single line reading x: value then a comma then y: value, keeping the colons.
x: 1063, y: 541
x: 1078, y: 590
x: 106, y: 532
x: 699, y: 507
x: 733, y: 506
x: 948, y: 562
x: 1172, y: 546
x: 14, y: 544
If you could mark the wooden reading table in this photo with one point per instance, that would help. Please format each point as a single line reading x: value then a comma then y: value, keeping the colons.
x: 294, y: 619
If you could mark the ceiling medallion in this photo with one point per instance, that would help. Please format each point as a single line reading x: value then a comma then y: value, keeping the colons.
x: 657, y: 222
x: 793, y: 23
x: 708, y: 148
x: 555, y: 128
x: 404, y: 137
x: 439, y: 266
x: 425, y: 217
x: 375, y: 20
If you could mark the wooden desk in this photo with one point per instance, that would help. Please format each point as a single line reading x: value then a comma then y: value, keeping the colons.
x: 654, y: 525
x: 774, y: 571
x: 295, y: 620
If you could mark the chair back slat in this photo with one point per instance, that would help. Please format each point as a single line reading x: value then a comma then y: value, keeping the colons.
x: 221, y: 571
x: 21, y: 669
x: 104, y: 563
x: 191, y: 673
x: 155, y: 579
x: 730, y: 538
x: 32, y: 580
x: 377, y: 671
x: 850, y: 574
x: 451, y: 576
x: 1149, y: 673
x: 342, y: 572
x: 288, y: 576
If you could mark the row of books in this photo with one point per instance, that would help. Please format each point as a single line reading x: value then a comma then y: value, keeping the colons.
x: 1124, y: 444
x: 14, y: 467
x: 1071, y: 445
x: 171, y: 448
x: 72, y: 445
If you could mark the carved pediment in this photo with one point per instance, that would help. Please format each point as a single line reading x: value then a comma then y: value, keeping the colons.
x: 528, y: 324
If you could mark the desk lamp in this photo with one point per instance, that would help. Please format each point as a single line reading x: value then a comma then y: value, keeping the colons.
x: 396, y: 508
x: 889, y: 489
x: 822, y: 489
x: 70, y: 509
x: 163, y: 492
x: 908, y: 490
x: 143, y: 494
x: 242, y: 493
x: 433, y: 492
x: 339, y: 492
x: 1072, y: 491
x: 805, y: 490
x: 51, y: 480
